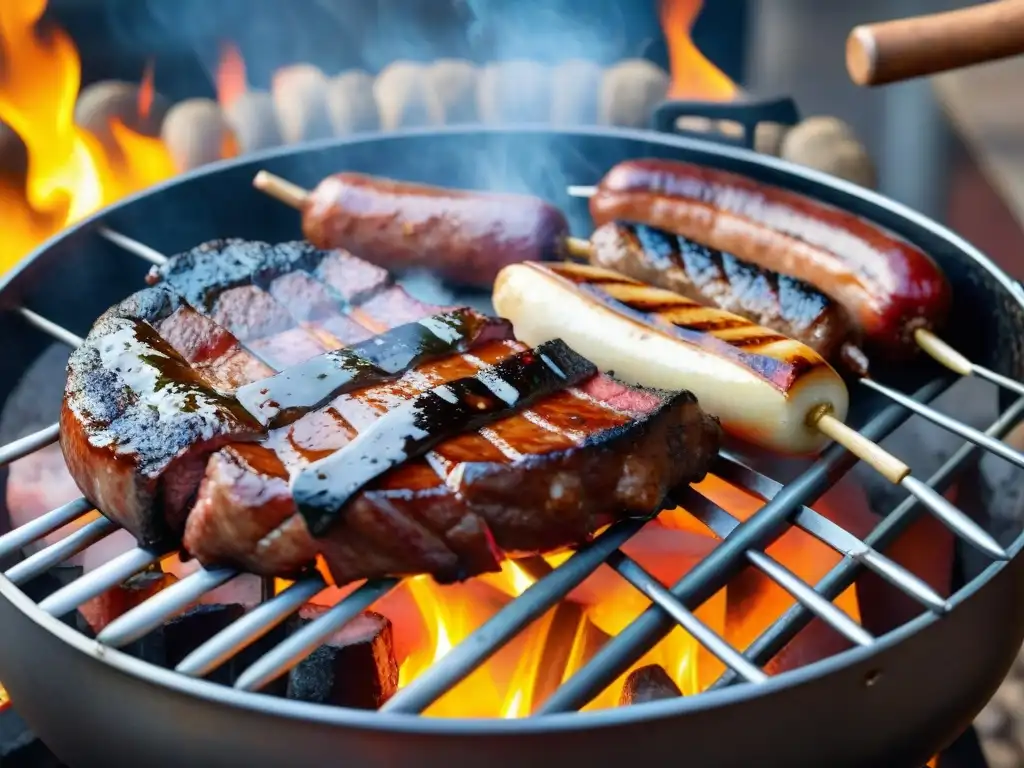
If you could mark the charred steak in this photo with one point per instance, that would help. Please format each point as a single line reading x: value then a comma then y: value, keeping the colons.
x: 518, y: 451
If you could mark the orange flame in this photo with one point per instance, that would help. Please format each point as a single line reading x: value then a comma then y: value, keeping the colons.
x: 230, y: 78
x: 507, y: 684
x: 147, y: 90
x: 70, y: 175
x: 693, y: 76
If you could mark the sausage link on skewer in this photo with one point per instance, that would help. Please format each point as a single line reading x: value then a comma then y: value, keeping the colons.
x: 462, y: 235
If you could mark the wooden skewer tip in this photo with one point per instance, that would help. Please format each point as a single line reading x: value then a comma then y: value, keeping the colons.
x: 577, y: 248
x: 879, y: 459
x: 943, y: 353
x: 280, y: 189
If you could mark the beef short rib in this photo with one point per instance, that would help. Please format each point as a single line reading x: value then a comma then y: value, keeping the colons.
x: 154, y: 436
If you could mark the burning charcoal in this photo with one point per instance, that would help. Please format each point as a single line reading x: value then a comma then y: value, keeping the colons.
x: 115, y: 602
x: 351, y: 106
x: 108, y: 100
x: 650, y: 683
x: 576, y: 87
x: 828, y: 144
x: 629, y: 92
x: 356, y: 667
x: 572, y: 639
x: 300, y: 95
x: 454, y: 82
x: 514, y: 92
x: 253, y: 119
x: 196, y: 133
x: 405, y: 98
x: 13, y: 153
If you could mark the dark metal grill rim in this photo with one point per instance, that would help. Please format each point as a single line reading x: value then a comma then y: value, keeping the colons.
x: 560, y: 722
x: 574, y: 719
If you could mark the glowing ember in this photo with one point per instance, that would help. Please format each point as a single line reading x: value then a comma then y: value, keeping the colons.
x: 230, y: 79
x: 147, y: 90
x: 5, y: 700
x: 693, y: 76
x: 69, y: 173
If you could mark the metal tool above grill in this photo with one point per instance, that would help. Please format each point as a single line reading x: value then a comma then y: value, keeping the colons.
x: 893, y: 699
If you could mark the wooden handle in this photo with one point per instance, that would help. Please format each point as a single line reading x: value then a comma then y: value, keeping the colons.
x: 891, y: 51
x: 879, y: 459
x: 281, y: 189
x: 943, y: 353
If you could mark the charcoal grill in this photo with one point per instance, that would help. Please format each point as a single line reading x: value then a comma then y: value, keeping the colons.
x: 894, y: 700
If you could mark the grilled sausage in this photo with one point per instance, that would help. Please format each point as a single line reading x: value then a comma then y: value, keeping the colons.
x: 888, y: 287
x: 710, y: 277
x: 760, y: 384
x: 464, y: 236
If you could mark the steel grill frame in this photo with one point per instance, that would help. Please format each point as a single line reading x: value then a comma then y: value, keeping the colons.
x: 741, y: 544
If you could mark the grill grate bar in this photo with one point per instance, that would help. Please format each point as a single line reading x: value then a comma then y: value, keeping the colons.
x: 39, y: 563
x: 722, y: 524
x: 714, y: 571
x: 998, y: 379
x: 634, y: 573
x: 287, y: 654
x: 948, y: 514
x: 164, y: 605
x: 843, y: 575
x: 832, y: 534
x: 133, y: 246
x: 23, y: 446
x: 44, y: 524
x: 509, y: 621
x: 250, y: 628
x: 967, y: 432
x: 60, y: 333
x: 98, y: 581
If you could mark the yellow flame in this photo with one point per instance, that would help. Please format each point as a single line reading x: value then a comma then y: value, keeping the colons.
x: 70, y: 174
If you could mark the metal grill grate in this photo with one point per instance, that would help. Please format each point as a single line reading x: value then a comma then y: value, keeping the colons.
x: 742, y: 544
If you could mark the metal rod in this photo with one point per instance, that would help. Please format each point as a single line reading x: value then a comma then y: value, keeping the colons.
x: 250, y: 628
x: 35, y: 529
x: 632, y: 572
x: 722, y: 524
x: 805, y: 595
x: 165, y: 604
x: 61, y: 334
x: 98, y: 581
x: 23, y: 446
x: 286, y: 655
x: 958, y: 522
x: 617, y: 655
x: 843, y: 575
x: 967, y: 432
x: 39, y: 563
x: 998, y: 379
x: 508, y: 622
x: 831, y: 534
x: 133, y: 246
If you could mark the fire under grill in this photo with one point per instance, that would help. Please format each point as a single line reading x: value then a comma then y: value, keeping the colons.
x: 786, y: 505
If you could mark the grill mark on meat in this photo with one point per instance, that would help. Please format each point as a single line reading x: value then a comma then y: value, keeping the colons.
x: 794, y: 308
x: 781, y: 369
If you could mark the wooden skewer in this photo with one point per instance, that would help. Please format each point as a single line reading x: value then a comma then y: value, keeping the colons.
x: 820, y: 417
x: 281, y: 189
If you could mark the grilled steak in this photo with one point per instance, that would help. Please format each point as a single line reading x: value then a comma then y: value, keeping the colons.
x: 547, y: 469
